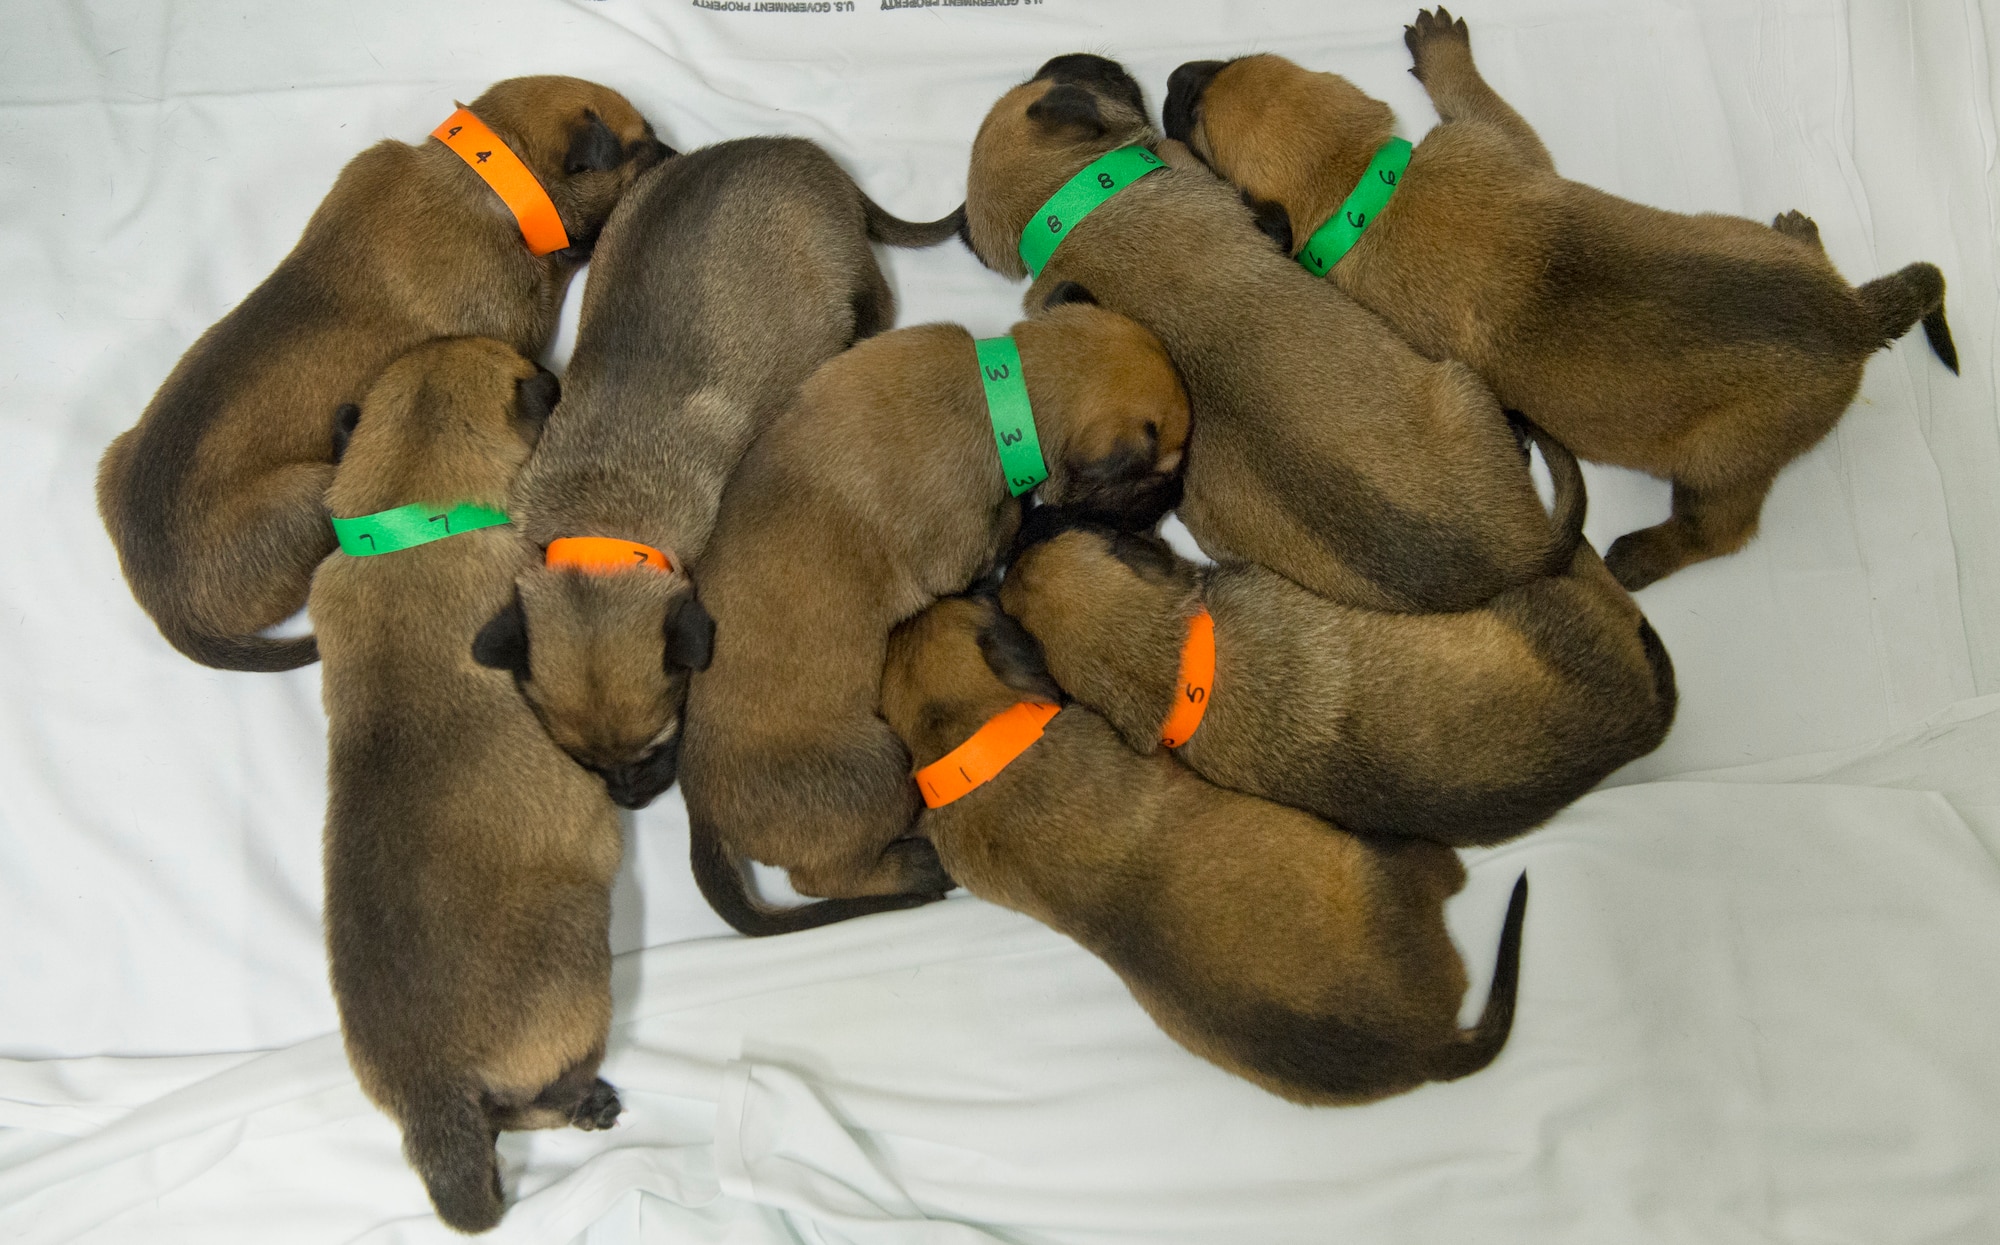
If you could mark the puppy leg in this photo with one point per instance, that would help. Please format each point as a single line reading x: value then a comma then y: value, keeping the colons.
x: 1796, y: 224
x: 1706, y: 523
x: 874, y: 304
x: 907, y: 866
x: 1441, y: 49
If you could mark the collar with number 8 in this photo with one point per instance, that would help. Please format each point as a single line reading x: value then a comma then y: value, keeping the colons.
x: 1080, y: 196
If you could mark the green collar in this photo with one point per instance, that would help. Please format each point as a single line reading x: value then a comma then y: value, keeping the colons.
x: 1337, y: 237
x: 1080, y: 196
x: 406, y: 527
x: 1013, y: 419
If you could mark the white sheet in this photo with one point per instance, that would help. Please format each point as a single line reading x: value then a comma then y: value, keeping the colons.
x: 1755, y: 1007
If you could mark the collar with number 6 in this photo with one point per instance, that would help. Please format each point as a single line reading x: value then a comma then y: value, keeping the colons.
x: 1079, y: 197
x: 1370, y: 195
x: 604, y: 555
x: 992, y: 748
x: 1196, y: 685
x: 406, y: 527
x: 471, y: 140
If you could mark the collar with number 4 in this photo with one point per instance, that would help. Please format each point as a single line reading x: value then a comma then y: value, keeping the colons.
x: 1021, y: 461
x: 406, y: 527
x: 1080, y: 196
x: 992, y: 748
x: 603, y: 555
x: 1196, y: 684
x: 1343, y: 229
x: 468, y: 136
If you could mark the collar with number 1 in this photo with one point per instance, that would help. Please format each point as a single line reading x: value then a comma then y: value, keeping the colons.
x: 406, y: 527
x: 1343, y: 229
x: 992, y: 748
x: 1021, y: 461
x: 468, y: 136
x: 1080, y: 196
x: 1196, y: 684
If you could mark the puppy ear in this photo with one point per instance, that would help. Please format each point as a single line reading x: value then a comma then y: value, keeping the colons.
x: 593, y: 148
x: 345, y: 420
x: 690, y: 635
x: 502, y: 644
x: 535, y: 396
x: 1069, y: 109
x: 1068, y: 292
x: 1185, y: 87
x: 1015, y: 657
x: 1272, y: 220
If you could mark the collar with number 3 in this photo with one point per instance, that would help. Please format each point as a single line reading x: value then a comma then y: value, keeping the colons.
x: 1343, y: 229
x: 1080, y: 196
x: 1021, y: 461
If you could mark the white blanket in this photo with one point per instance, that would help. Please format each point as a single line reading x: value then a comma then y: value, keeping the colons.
x: 1758, y: 1004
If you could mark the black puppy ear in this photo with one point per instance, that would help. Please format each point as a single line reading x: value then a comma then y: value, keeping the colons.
x: 1070, y: 109
x: 536, y: 396
x: 1015, y: 656
x: 690, y: 635
x: 1272, y: 220
x: 345, y: 420
x: 593, y: 148
x: 1068, y: 292
x: 502, y: 644
x: 1185, y: 87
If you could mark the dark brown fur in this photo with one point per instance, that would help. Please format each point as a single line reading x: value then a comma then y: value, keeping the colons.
x: 1323, y: 446
x: 468, y: 861
x: 214, y: 499
x: 1308, y: 960
x: 877, y: 492
x: 1466, y: 729
x: 722, y: 281
x: 1710, y: 350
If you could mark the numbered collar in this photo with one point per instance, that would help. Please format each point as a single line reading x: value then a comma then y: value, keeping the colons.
x: 406, y: 527
x: 1196, y: 684
x: 1080, y: 196
x: 604, y: 555
x: 1021, y: 461
x: 468, y: 136
x: 1343, y: 229
x: 992, y: 748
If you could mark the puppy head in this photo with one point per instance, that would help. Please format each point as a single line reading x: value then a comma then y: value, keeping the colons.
x: 954, y: 666
x: 1112, y: 413
x: 603, y: 659
x: 585, y: 143
x: 1074, y: 109
x: 1283, y: 134
x: 450, y: 421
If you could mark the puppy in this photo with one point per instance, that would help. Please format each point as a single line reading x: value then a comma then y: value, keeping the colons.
x: 725, y: 278
x: 1467, y: 728
x: 468, y: 862
x: 1709, y: 350
x: 1295, y: 955
x: 215, y: 498
x: 878, y: 491
x: 1323, y: 447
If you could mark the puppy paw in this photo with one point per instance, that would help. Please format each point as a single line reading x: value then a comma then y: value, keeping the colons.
x: 1637, y: 559
x: 918, y: 869
x: 1435, y: 36
x: 1796, y: 224
x: 597, y: 1109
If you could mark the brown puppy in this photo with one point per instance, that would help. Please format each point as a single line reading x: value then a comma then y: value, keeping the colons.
x: 877, y: 492
x: 468, y: 862
x: 722, y: 281
x: 1710, y: 350
x: 215, y: 498
x: 1323, y: 446
x: 1464, y: 728
x: 1303, y: 958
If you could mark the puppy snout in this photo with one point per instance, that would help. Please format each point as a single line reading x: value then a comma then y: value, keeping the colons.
x: 1184, y: 90
x: 638, y: 784
x: 649, y: 152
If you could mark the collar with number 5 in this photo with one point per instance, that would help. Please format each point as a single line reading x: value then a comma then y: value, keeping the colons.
x: 1196, y: 685
x: 406, y: 527
x: 1343, y: 229
x: 1080, y: 196
x: 468, y: 136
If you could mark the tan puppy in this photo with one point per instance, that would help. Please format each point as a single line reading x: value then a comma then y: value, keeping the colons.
x: 468, y: 861
x: 878, y: 491
x: 1289, y: 952
x: 1323, y: 446
x: 724, y: 279
x: 1710, y: 350
x: 215, y: 498
x: 1464, y: 728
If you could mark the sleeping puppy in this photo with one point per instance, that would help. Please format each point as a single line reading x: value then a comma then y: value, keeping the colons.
x: 722, y: 281
x: 878, y: 491
x: 1709, y: 350
x: 1323, y: 446
x: 1308, y: 960
x: 215, y: 499
x: 468, y: 861
x: 1463, y: 728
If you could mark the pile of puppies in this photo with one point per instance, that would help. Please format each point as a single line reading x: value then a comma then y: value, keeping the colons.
x: 759, y: 541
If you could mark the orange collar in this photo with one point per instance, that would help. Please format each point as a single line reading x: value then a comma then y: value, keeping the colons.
x: 604, y: 555
x: 992, y: 748
x: 480, y: 147
x: 1197, y: 681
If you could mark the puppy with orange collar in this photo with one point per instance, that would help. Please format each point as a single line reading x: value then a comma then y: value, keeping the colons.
x: 1323, y: 446
x: 891, y: 481
x: 1466, y: 729
x: 1308, y: 960
x: 1710, y: 350
x: 215, y: 499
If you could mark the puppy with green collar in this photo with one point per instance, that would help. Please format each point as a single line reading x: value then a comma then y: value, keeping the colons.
x: 468, y: 861
x: 1710, y: 350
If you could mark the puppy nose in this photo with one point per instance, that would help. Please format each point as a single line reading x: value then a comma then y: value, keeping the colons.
x: 638, y: 784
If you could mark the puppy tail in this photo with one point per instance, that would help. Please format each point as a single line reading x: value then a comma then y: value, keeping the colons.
x: 721, y: 878
x: 1572, y: 500
x: 1478, y: 1045
x: 255, y: 653
x: 896, y: 231
x: 1901, y: 299
x: 449, y: 1140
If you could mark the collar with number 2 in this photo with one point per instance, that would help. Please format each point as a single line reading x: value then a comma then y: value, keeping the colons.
x: 1343, y: 229
x: 1080, y: 196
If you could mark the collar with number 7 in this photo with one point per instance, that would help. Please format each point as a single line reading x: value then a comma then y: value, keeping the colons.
x: 603, y: 555
x: 468, y: 137
x: 1079, y: 197
x: 991, y: 748
x: 406, y: 527
x: 1363, y: 204
x: 1196, y: 684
